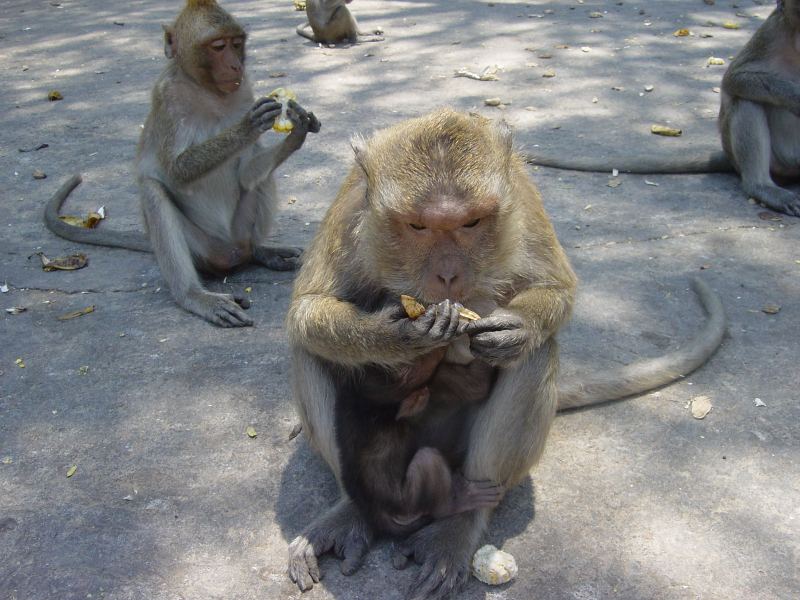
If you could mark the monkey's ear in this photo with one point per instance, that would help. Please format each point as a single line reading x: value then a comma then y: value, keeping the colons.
x: 170, y: 45
x: 359, y: 146
x: 504, y: 134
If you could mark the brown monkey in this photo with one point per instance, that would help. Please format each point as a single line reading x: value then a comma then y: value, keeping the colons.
x: 398, y: 451
x: 759, y: 119
x: 206, y: 184
x: 332, y: 22
x: 441, y: 208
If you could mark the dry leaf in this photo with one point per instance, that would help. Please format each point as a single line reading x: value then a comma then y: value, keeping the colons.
x: 298, y: 427
x: 701, y: 406
x: 614, y: 183
x: 54, y: 95
x: 595, y: 15
x: 89, y: 222
x: 251, y: 431
x: 681, y: 33
x: 77, y: 313
x: 63, y: 263
x: 771, y: 309
x: 664, y: 130
x: 71, y: 471
x: 15, y: 310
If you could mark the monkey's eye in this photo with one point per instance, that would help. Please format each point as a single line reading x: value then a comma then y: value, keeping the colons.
x: 417, y: 227
x: 217, y: 45
x: 472, y: 223
x: 237, y: 43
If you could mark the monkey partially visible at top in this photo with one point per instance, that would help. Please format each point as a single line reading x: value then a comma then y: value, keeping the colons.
x: 440, y: 208
x: 759, y: 119
x: 205, y: 181
x: 331, y: 22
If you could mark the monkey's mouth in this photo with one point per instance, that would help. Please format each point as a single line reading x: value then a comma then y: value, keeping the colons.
x: 229, y: 86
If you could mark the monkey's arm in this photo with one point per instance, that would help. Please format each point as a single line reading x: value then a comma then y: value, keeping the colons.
x: 763, y: 85
x: 262, y: 164
x: 304, y: 31
x: 199, y: 159
x: 342, y: 333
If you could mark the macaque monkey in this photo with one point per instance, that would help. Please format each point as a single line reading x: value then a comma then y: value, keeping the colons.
x: 332, y: 22
x: 441, y: 208
x: 759, y: 119
x: 206, y: 184
x: 398, y: 450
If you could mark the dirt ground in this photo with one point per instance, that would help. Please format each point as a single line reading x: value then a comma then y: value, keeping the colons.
x: 172, y: 499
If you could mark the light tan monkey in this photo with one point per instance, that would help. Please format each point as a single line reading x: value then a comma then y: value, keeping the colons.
x: 206, y: 184
x: 759, y: 119
x: 331, y: 22
x: 441, y: 208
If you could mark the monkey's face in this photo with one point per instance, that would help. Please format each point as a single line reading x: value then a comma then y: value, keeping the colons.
x: 443, y: 244
x: 224, y: 61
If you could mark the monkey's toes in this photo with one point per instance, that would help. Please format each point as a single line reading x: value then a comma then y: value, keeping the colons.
x: 303, y: 566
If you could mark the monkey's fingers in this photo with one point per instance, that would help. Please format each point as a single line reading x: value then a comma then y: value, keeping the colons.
x: 314, y: 124
x: 303, y: 565
x: 445, y: 325
x: 494, y: 323
x: 353, y: 552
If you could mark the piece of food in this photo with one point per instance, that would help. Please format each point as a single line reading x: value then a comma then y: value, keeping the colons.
x: 283, y: 95
x: 493, y: 566
x: 415, y: 310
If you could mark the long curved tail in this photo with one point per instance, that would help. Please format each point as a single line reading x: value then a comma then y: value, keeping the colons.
x: 131, y: 240
x: 713, y: 162
x: 649, y: 374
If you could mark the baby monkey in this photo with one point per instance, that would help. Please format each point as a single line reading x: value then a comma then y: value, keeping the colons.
x: 400, y: 431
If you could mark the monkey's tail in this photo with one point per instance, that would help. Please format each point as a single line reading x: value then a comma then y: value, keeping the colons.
x: 649, y: 374
x: 713, y: 162
x: 131, y: 240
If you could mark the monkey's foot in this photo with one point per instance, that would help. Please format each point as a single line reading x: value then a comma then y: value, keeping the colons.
x: 278, y: 258
x: 341, y: 529
x: 776, y: 198
x: 444, y: 551
x: 221, y: 309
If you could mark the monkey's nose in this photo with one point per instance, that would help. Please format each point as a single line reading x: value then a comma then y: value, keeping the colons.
x: 447, y: 280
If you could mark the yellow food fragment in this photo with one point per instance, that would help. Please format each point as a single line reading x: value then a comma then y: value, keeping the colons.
x: 283, y: 123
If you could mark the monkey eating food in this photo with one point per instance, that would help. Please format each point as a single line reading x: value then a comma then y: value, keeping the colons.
x: 206, y: 183
x: 440, y: 207
x: 331, y: 22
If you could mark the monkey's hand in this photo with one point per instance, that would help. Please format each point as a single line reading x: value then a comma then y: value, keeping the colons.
x: 500, y: 339
x: 438, y: 326
x: 304, y: 122
x: 261, y: 117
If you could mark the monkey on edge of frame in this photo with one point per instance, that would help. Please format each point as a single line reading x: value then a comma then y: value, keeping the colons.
x: 759, y: 120
x: 206, y: 184
x: 398, y: 449
x: 332, y: 22
x: 441, y: 208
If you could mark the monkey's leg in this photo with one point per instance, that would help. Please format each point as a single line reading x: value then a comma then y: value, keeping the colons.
x: 751, y: 146
x: 175, y: 240
x: 506, y: 440
x: 430, y: 487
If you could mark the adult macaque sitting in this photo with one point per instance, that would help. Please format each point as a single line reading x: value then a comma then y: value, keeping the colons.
x: 206, y: 184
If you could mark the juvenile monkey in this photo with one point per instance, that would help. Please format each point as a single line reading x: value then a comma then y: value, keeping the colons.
x: 398, y: 450
x: 441, y: 208
x: 759, y: 119
x: 332, y: 22
x: 206, y: 184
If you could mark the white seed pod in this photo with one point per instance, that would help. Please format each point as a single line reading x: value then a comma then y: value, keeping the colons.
x: 493, y: 566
